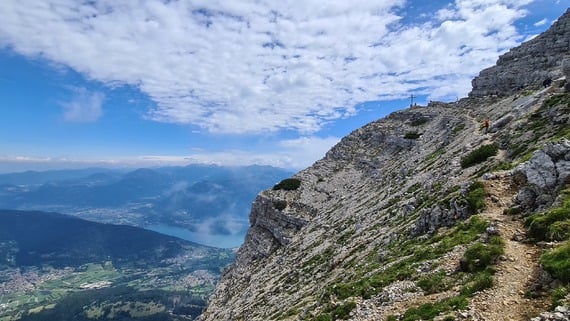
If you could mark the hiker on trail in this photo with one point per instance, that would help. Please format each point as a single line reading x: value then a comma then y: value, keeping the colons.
x: 486, y: 125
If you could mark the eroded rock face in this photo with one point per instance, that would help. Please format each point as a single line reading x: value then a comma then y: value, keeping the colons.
x: 280, y: 225
x: 433, y: 218
x: 373, y: 189
x: 527, y: 65
x: 543, y: 175
x: 377, y: 187
x: 299, y: 239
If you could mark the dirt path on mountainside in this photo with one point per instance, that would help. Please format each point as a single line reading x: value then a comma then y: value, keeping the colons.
x: 516, y: 271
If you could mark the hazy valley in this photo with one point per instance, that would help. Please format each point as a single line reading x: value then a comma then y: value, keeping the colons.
x: 204, y: 204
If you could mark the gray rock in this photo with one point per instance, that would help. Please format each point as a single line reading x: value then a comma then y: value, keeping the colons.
x: 566, y: 68
x: 539, y: 171
x: 501, y: 122
x: 528, y: 65
x: 492, y: 230
x: 543, y: 175
x: 561, y: 309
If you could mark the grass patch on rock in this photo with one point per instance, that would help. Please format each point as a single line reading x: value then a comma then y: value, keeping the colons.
x: 429, y: 311
x: 479, y: 155
x: 557, y: 262
x: 476, y: 196
x: 552, y: 225
x: 288, y: 184
x: 478, y: 282
x: 434, y: 283
x: 412, y: 135
x: 480, y: 256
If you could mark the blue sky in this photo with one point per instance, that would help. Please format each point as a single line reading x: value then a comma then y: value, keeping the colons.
x: 152, y: 82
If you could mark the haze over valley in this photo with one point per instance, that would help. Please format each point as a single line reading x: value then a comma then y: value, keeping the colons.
x: 201, y: 203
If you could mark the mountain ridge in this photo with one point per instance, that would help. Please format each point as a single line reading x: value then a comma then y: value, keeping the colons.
x: 393, y: 223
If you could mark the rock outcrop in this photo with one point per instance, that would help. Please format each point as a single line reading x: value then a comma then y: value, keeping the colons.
x: 376, y: 219
x: 528, y: 65
x: 561, y: 313
x: 543, y: 176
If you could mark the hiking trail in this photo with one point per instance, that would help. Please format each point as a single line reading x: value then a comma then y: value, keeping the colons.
x: 507, y: 300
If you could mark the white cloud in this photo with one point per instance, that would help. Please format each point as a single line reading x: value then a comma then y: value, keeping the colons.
x: 541, y: 22
x: 85, y: 106
x: 255, y: 66
x: 304, y: 151
x: 293, y: 154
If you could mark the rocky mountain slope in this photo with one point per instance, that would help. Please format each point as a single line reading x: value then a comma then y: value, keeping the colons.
x: 527, y: 65
x: 425, y: 214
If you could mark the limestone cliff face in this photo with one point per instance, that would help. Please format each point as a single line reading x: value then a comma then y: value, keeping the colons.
x: 337, y: 243
x: 529, y: 64
x: 349, y: 204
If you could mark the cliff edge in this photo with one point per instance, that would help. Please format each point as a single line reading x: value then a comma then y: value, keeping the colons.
x: 420, y: 215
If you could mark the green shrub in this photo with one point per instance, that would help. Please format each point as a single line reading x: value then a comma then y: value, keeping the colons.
x: 557, y: 262
x: 433, y: 283
x: 288, y: 184
x: 465, y: 233
x: 553, y: 225
x: 559, y: 231
x: 280, y: 205
x: 346, y: 290
x: 512, y: 211
x: 480, y: 281
x: 504, y: 166
x: 558, y: 295
x: 323, y: 317
x: 368, y: 286
x: 429, y: 311
x: 479, y: 256
x: 479, y: 155
x: 476, y: 196
x: 557, y: 99
x: 537, y: 225
x: 424, y: 312
x: 412, y: 135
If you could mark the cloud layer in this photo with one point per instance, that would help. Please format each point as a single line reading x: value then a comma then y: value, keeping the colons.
x: 294, y: 154
x: 257, y: 66
x: 84, y: 107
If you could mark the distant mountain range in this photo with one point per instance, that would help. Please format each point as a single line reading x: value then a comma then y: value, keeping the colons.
x: 59, y: 267
x: 203, y: 199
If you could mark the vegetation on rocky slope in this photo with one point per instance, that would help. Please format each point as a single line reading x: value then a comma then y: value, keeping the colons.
x: 479, y: 155
x: 398, y: 227
x: 419, y: 215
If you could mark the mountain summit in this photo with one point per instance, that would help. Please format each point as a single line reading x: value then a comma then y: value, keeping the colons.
x: 443, y: 212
